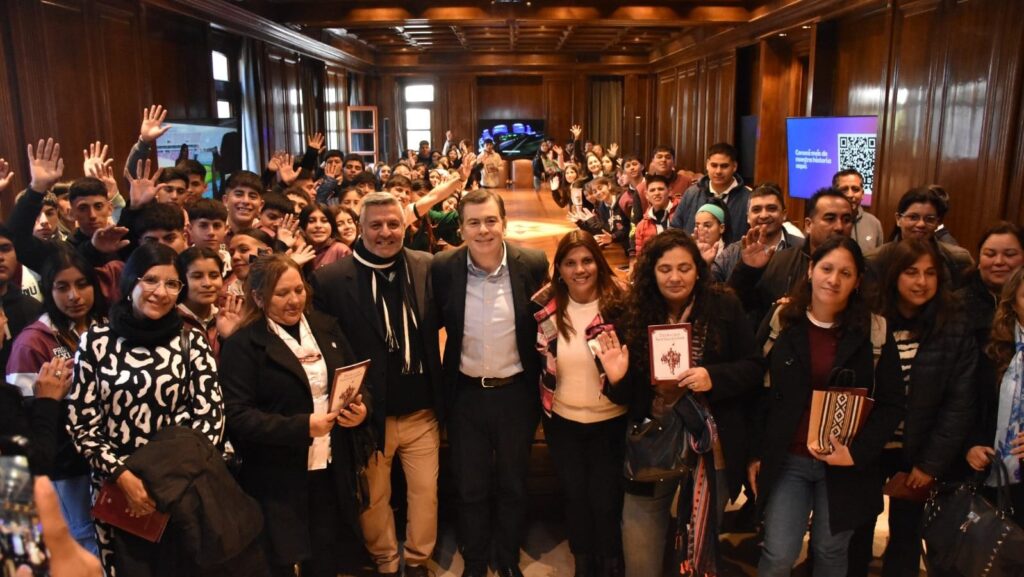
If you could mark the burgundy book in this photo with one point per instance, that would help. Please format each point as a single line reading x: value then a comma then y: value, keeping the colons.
x: 111, y: 507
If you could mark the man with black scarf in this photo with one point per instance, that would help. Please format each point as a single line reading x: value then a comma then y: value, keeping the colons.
x: 383, y: 300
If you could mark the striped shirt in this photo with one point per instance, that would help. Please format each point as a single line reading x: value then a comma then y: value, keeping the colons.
x: 907, y: 343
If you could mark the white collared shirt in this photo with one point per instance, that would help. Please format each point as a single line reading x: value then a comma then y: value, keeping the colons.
x: 489, y: 347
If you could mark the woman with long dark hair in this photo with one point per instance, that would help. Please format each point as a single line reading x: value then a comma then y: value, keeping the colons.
x: 320, y: 228
x: 672, y: 284
x: 824, y: 336
x: 297, y: 451
x: 938, y: 359
x: 202, y: 274
x: 999, y: 433
x: 132, y: 379
x: 72, y: 302
x: 585, y: 430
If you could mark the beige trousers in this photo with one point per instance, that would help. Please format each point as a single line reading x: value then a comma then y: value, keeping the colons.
x: 415, y: 438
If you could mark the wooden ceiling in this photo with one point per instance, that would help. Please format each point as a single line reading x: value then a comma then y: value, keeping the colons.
x: 597, y: 27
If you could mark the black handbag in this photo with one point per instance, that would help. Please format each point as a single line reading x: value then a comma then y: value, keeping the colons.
x: 657, y: 448
x: 966, y: 534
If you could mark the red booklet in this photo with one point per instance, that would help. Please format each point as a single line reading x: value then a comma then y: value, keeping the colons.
x: 111, y: 507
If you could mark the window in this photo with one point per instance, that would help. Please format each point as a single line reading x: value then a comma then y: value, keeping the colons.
x: 220, y: 67
x: 419, y: 100
x: 223, y: 109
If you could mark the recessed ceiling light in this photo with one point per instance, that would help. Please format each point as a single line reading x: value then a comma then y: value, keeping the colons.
x: 806, y: 27
x: 782, y: 34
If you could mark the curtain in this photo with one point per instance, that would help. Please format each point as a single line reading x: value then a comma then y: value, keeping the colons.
x: 249, y: 76
x: 606, y: 111
x: 397, y: 136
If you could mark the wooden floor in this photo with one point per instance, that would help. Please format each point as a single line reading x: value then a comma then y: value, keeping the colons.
x: 535, y: 221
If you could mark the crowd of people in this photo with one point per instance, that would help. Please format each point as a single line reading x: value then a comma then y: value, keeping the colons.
x: 181, y: 351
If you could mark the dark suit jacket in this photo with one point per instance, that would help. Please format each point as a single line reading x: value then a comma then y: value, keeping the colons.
x: 267, y: 401
x: 337, y: 292
x: 528, y: 269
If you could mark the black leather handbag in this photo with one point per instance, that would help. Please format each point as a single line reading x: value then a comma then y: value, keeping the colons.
x: 657, y: 449
x: 966, y: 534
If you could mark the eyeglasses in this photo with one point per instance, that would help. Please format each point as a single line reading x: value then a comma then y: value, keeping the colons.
x: 150, y: 284
x: 914, y: 218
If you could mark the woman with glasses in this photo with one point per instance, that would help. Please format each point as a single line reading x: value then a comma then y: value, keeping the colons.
x: 919, y: 214
x: 131, y: 379
x: 298, y: 455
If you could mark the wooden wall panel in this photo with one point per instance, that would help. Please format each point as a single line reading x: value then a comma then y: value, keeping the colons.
x: 666, y: 110
x: 977, y: 133
x: 639, y: 104
x: 120, y: 63
x: 178, y: 61
x: 460, y: 106
x: 12, y: 147
x: 510, y: 97
x: 719, y: 102
x: 909, y: 153
x: 689, y: 116
x: 558, y: 99
x: 61, y: 102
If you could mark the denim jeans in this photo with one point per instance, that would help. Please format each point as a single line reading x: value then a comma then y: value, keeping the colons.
x: 800, y: 491
x: 75, y: 504
x: 645, y: 520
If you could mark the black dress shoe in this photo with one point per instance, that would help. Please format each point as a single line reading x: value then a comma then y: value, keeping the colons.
x: 509, y: 571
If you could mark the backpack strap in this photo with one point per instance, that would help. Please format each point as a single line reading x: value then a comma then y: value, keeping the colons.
x: 879, y: 334
x: 774, y: 328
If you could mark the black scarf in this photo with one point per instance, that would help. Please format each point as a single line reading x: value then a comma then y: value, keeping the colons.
x: 143, y: 332
x: 398, y: 332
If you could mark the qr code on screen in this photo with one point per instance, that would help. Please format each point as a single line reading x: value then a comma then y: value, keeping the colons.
x: 857, y: 151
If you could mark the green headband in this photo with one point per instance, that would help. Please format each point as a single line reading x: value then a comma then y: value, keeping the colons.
x: 714, y: 210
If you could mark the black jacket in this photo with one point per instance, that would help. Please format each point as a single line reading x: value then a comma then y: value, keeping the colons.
x: 980, y: 306
x: 731, y: 360
x: 855, y: 493
x: 528, y: 269
x: 21, y: 311
x: 759, y: 288
x: 214, y: 520
x: 267, y: 401
x: 338, y: 293
x: 941, y: 406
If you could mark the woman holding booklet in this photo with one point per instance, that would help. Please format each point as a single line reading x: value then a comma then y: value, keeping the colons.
x: 818, y: 345
x: 938, y: 358
x: 709, y: 379
x: 298, y: 451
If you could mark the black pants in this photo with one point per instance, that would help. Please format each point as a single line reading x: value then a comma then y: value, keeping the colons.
x: 325, y: 528
x: 491, y: 432
x: 588, y: 458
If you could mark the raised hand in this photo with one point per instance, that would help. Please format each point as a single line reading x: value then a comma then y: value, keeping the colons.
x: 303, y: 255
x: 286, y: 173
x: 558, y: 149
x: 755, y: 253
x: 448, y: 135
x: 576, y: 131
x: 287, y: 229
x: 332, y: 170
x: 604, y: 239
x: 274, y: 164
x: 95, y: 158
x: 110, y: 239
x: 6, y: 174
x: 54, y: 379
x: 153, y: 123
x: 230, y: 315
x: 143, y: 188
x: 468, y: 160
x: 613, y: 149
x: 316, y: 141
x: 106, y: 175
x: 614, y: 356
x: 45, y: 165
